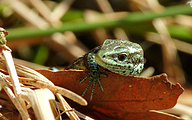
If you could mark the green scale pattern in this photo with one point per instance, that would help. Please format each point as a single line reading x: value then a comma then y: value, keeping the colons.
x: 119, y: 56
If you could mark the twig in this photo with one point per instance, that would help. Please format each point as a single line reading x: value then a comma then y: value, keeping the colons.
x: 105, y: 7
x: 67, y: 108
x: 81, y: 115
x: 28, y: 14
x: 55, y: 89
x: 3, y: 117
x: 27, y: 72
x: 180, y: 45
x: 40, y: 102
x: 180, y: 109
x: 13, y: 75
x: 12, y: 71
x: 17, y: 104
x: 60, y: 10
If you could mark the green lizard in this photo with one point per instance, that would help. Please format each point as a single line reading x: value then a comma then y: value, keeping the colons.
x: 118, y: 56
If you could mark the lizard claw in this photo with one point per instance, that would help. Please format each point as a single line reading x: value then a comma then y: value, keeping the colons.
x: 94, y: 77
x: 82, y: 80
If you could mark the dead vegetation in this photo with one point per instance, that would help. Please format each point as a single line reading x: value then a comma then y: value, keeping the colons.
x: 53, y: 33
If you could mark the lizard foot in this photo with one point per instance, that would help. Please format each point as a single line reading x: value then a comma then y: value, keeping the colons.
x: 93, y: 76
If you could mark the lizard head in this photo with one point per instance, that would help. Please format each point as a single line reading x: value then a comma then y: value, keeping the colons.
x: 121, y: 57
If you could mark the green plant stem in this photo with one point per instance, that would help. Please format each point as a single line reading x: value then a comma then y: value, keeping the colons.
x: 130, y: 22
x: 41, y: 55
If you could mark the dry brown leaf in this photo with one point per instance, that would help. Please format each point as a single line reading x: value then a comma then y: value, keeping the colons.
x: 124, y: 96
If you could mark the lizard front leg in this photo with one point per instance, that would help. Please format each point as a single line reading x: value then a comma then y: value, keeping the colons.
x: 93, y: 74
x: 87, y: 62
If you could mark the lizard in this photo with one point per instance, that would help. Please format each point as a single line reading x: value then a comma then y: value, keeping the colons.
x: 118, y: 56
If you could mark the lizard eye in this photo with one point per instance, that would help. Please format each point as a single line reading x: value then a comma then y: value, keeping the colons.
x: 122, y: 57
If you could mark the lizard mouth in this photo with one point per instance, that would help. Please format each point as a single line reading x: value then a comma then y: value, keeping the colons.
x: 98, y: 59
x: 100, y: 62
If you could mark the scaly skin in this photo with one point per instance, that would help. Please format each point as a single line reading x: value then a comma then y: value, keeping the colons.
x: 121, y: 57
x: 118, y: 56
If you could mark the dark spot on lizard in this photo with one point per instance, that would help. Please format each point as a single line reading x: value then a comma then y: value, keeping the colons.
x: 113, y: 56
x: 91, y: 61
x: 115, y: 60
x: 129, y: 67
x: 137, y: 71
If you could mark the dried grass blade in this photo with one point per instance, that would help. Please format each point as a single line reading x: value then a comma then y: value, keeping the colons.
x: 17, y: 104
x: 55, y: 89
x: 40, y: 102
x: 69, y: 111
